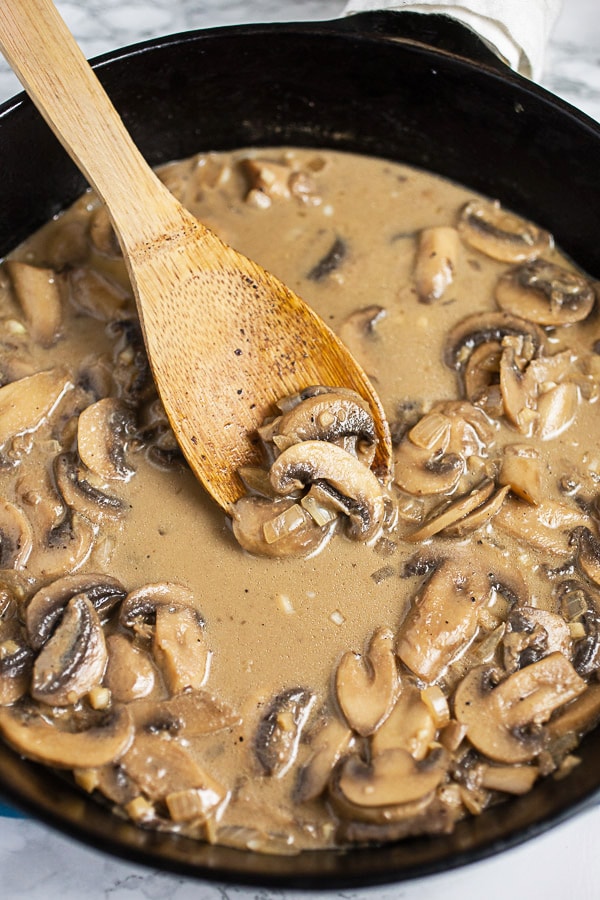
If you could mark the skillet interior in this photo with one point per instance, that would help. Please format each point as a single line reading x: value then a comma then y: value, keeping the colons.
x: 350, y: 87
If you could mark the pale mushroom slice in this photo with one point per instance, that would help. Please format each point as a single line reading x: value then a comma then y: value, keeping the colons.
x: 521, y: 471
x: 503, y: 719
x: 486, y: 226
x: 367, y: 685
x: 138, y: 609
x: 546, y: 527
x: 37, y: 290
x: 335, y: 417
x: 327, y: 746
x: 409, y: 726
x: 423, y: 473
x: 130, y: 672
x: 453, y: 512
x: 73, y: 660
x: 45, y: 609
x: 280, y: 729
x: 29, y: 732
x: 279, y: 527
x: 391, y: 778
x: 80, y: 494
x: 436, y: 261
x: 360, y: 491
x: 186, y: 715
x: 179, y: 647
x: 443, y: 619
x: 102, y: 432
x: 480, y: 516
x: 546, y: 293
x: 577, y: 717
x: 26, y: 403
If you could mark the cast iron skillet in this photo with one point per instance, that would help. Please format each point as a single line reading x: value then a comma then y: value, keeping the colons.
x: 419, y: 89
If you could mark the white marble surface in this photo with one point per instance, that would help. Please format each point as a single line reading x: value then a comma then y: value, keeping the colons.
x: 38, y: 864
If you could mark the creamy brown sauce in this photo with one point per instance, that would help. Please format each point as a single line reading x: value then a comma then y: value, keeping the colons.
x: 272, y: 625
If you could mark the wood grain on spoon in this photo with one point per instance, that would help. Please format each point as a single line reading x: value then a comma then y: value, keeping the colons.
x: 225, y: 338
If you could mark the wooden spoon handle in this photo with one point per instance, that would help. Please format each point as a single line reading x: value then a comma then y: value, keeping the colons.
x: 49, y: 63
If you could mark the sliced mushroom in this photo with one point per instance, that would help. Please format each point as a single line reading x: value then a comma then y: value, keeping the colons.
x: 333, y: 417
x: 435, y: 265
x: 453, y: 512
x: 481, y: 377
x: 311, y: 461
x: 483, y: 328
x: 97, y: 295
x: 38, y: 292
x: 588, y: 556
x: 179, y: 647
x: 327, y: 746
x: 368, y: 685
x: 186, y: 715
x: 140, y: 606
x: 409, y: 726
x: 130, y: 672
x: 556, y: 410
x: 503, y: 719
x: 26, y: 403
x: 278, y: 528
x: 16, y: 661
x: 577, y: 717
x: 64, y: 547
x: 330, y: 261
x: 423, y: 473
x: 280, y: 729
x: 521, y: 471
x: 73, y: 660
x: 95, y: 504
x: 443, y: 620
x: 532, y: 633
x: 47, y: 605
x: 359, y: 332
x: 102, y: 431
x: 31, y: 734
x: 391, y: 778
x: 16, y: 536
x: 162, y: 767
x: 509, y: 779
x: 546, y: 527
x: 489, y: 228
x: 479, y: 517
x: 545, y: 293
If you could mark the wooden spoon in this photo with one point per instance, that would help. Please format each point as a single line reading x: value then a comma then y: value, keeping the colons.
x: 224, y: 337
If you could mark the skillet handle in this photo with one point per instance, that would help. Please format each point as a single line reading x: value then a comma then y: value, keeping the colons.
x: 433, y: 30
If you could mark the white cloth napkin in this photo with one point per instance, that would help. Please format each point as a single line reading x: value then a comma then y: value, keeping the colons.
x: 517, y: 30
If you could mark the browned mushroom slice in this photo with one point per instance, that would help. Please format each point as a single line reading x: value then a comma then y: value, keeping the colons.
x: 368, y: 685
x: 95, y: 504
x: 47, y: 605
x: 188, y: 714
x: 327, y: 746
x: 503, y: 719
x: 16, y: 661
x: 545, y: 293
x: 179, y: 647
x: 139, y: 606
x: 483, y: 328
x: 102, y: 431
x: 479, y: 517
x: 391, y: 778
x: 333, y: 417
x: 546, y: 527
x: 280, y: 729
x: 38, y: 292
x: 16, y: 536
x: 409, y: 726
x: 98, y: 296
x: 302, y: 464
x: 443, y: 620
x: 31, y: 734
x: 130, y: 672
x: 453, y: 512
x: 278, y: 528
x: 73, y: 660
x: 577, y: 717
x: 435, y: 265
x: 588, y: 556
x: 25, y: 404
x: 489, y: 228
x: 532, y: 633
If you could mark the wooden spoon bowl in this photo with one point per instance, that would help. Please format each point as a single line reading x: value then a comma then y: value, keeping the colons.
x: 224, y: 337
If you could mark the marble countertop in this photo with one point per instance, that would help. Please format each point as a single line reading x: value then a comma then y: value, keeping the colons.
x: 39, y: 864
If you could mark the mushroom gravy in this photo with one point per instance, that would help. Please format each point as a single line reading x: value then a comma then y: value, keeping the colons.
x: 380, y: 687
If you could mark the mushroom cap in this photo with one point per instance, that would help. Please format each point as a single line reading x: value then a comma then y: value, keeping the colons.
x: 102, y: 430
x: 546, y: 293
x: 486, y: 226
x: 486, y: 327
x: 391, y: 778
x: 367, y: 686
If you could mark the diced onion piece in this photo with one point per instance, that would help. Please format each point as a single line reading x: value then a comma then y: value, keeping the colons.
x: 319, y: 512
x: 452, y: 735
x: 289, y: 520
x: 140, y: 809
x: 193, y: 804
x: 435, y: 700
x: 577, y: 630
x: 573, y: 605
x: 432, y: 432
